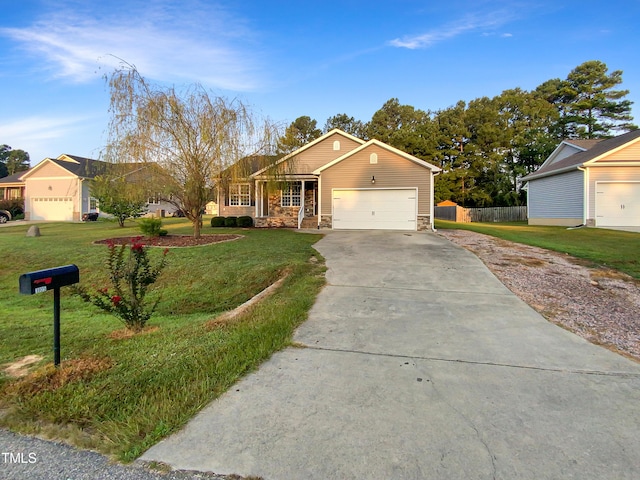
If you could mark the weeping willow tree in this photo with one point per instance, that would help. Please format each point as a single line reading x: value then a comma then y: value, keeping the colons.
x: 188, y: 137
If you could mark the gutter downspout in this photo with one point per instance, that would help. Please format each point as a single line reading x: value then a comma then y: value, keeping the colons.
x: 432, y: 193
x: 585, y: 193
x: 320, y: 202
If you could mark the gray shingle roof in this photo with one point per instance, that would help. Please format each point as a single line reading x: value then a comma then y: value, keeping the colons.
x: 85, y: 168
x: 572, y: 162
x: 15, y: 178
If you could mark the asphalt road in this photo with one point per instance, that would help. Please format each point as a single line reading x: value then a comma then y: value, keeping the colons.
x: 29, y: 458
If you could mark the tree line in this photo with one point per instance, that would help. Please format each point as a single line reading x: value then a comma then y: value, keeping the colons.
x: 486, y: 145
x: 12, y: 161
x: 188, y: 138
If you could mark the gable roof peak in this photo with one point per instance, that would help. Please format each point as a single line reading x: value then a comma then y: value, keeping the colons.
x: 579, y: 159
x: 311, y: 144
x: 383, y: 145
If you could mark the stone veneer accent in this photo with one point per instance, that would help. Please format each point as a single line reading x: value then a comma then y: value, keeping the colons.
x: 326, y: 221
x: 276, y: 222
x: 276, y: 210
x: 424, y: 222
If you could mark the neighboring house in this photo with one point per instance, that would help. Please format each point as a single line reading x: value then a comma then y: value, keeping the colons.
x: 58, y: 189
x: 337, y: 181
x: 590, y: 182
x: 12, y: 187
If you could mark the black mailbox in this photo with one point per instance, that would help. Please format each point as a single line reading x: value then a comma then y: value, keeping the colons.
x: 48, y: 279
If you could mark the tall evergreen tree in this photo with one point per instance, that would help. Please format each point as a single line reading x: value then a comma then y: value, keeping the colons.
x: 12, y: 161
x: 347, y: 124
x: 300, y: 132
x: 589, y: 105
x: 403, y: 127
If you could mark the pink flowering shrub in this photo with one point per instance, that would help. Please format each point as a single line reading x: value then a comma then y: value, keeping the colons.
x: 131, y: 274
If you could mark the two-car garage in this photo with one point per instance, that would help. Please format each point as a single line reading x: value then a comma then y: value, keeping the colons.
x: 374, y: 209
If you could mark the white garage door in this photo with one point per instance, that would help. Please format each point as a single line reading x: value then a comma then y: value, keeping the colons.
x: 375, y: 209
x: 52, y: 208
x: 617, y: 204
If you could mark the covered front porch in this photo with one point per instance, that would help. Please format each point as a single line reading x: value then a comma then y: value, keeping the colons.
x: 291, y: 203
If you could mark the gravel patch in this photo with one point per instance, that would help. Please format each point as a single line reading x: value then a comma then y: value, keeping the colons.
x: 23, y: 457
x: 599, y: 304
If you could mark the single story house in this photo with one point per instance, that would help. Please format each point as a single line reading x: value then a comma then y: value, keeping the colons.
x: 58, y: 189
x: 337, y: 181
x: 588, y: 182
x: 12, y: 187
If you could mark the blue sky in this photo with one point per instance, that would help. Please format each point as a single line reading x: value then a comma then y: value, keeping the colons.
x: 289, y: 59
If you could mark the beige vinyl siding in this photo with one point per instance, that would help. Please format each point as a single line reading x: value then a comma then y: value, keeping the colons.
x: 320, y: 154
x: 391, y: 171
x: 608, y: 174
x: 628, y: 154
x: 60, y: 187
x: 50, y: 169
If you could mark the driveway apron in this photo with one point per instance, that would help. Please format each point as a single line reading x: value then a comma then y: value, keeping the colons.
x: 417, y: 363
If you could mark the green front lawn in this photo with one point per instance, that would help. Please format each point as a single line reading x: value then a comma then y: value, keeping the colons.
x: 611, y: 248
x: 123, y: 395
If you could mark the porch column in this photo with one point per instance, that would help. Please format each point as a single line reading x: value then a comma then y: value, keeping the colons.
x: 258, y: 199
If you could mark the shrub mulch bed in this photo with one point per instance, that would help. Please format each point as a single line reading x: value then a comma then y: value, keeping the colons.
x: 171, y: 240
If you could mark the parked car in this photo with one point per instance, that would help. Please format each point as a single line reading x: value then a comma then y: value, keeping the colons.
x: 90, y: 217
x: 5, y: 216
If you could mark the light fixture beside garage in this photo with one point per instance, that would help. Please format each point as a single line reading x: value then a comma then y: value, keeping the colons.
x: 373, y: 179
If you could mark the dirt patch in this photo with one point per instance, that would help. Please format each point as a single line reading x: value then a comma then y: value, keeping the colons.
x: 599, y: 304
x: 20, y: 368
x: 49, y: 378
x: 125, y: 333
x: 171, y: 241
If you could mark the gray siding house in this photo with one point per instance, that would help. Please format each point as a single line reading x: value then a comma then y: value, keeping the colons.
x: 337, y: 181
x: 588, y: 182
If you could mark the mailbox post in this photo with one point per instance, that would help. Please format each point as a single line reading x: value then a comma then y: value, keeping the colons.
x: 51, y: 279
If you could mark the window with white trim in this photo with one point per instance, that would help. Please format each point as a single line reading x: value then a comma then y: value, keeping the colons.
x: 93, y: 203
x: 240, y: 195
x: 291, y: 195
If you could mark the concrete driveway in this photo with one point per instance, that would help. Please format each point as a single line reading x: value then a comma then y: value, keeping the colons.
x: 419, y: 364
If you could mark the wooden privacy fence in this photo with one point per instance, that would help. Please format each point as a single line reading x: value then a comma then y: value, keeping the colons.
x: 487, y: 215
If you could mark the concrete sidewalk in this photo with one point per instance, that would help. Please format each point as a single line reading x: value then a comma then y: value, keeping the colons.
x: 420, y: 364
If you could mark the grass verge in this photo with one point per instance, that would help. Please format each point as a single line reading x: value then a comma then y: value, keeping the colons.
x: 612, y: 248
x: 121, y: 395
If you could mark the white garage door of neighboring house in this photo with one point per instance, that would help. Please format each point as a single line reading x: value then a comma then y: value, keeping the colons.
x: 52, y: 208
x: 618, y: 204
x: 375, y: 209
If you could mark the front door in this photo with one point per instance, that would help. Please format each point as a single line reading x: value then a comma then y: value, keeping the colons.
x: 310, y: 199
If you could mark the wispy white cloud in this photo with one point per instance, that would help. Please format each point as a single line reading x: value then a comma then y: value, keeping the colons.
x: 195, y: 42
x: 39, y: 134
x: 468, y: 24
x: 41, y: 127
